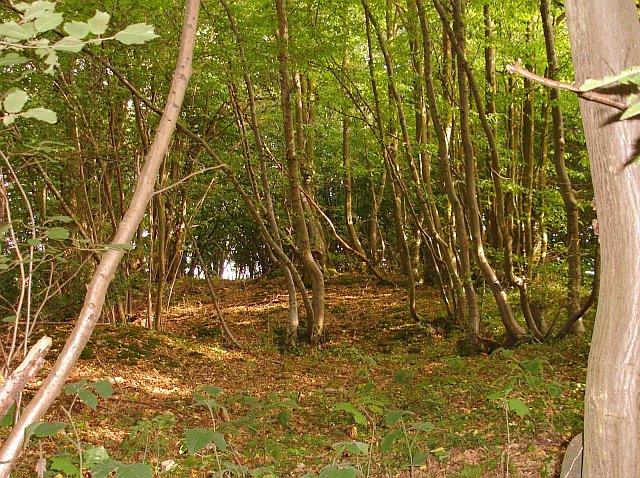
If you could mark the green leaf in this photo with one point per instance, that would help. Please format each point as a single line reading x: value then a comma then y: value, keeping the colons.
x: 104, y: 468
x: 197, y: 438
x: 15, y: 101
x: 34, y: 242
x: 12, y: 59
x: 95, y: 455
x: 554, y: 389
x: 74, y: 388
x: 99, y: 23
x: 393, y: 416
x: 358, y: 416
x: 629, y: 75
x: 471, y: 471
x: 219, y: 441
x: 60, y: 463
x: 136, y: 34
x: 103, y: 388
x: 633, y: 110
x: 9, y: 319
x: 422, y: 426
x: 211, y: 390
x: 42, y: 114
x: 532, y: 366
x: 77, y: 30
x: 47, y: 21
x: 58, y: 233
x: 420, y: 457
x: 69, y: 44
x: 335, y: 471
x: 138, y: 470
x: 500, y: 394
x: 8, y: 120
x: 16, y: 31
x: 352, y: 447
x: 42, y: 430
x: 52, y: 61
x: 7, y: 420
x: 35, y: 9
x: 389, y: 439
x: 88, y: 398
x: 516, y: 405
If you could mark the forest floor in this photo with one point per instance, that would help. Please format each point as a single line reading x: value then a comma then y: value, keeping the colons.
x: 377, y: 381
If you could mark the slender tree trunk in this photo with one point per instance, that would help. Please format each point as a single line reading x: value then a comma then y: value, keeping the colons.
x: 471, y: 194
x: 462, y: 235
x: 315, y: 327
x: 568, y: 196
x: 266, y: 189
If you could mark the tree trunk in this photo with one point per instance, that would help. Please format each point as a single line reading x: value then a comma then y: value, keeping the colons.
x: 605, y: 38
x: 568, y: 196
x: 313, y: 270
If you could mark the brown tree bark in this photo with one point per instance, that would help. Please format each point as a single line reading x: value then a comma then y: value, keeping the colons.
x: 605, y: 38
x: 303, y: 243
x: 462, y: 235
x: 568, y: 196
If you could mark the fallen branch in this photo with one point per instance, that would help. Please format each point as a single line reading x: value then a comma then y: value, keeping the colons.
x: 22, y: 375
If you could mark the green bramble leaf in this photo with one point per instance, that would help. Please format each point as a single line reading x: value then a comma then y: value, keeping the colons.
x: 197, y: 438
x: 136, y: 34
x: 137, y: 470
x: 103, y: 388
x: 60, y: 463
x: 42, y: 114
x: 352, y: 447
x: 69, y: 44
x: 88, y: 398
x: 516, y: 405
x: 15, y: 31
x: 47, y: 21
x: 99, y: 23
x: 58, y: 233
x: 358, y: 416
x: 12, y: 59
x: 15, y: 101
x: 77, y: 30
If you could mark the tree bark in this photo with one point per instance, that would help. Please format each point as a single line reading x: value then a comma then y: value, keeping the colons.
x: 315, y: 327
x: 566, y: 190
x: 605, y: 38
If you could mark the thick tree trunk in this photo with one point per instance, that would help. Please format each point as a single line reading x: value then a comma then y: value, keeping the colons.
x: 605, y: 38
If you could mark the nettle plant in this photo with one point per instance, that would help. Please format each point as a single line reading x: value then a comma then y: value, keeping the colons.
x: 78, y: 457
x: 31, y: 43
